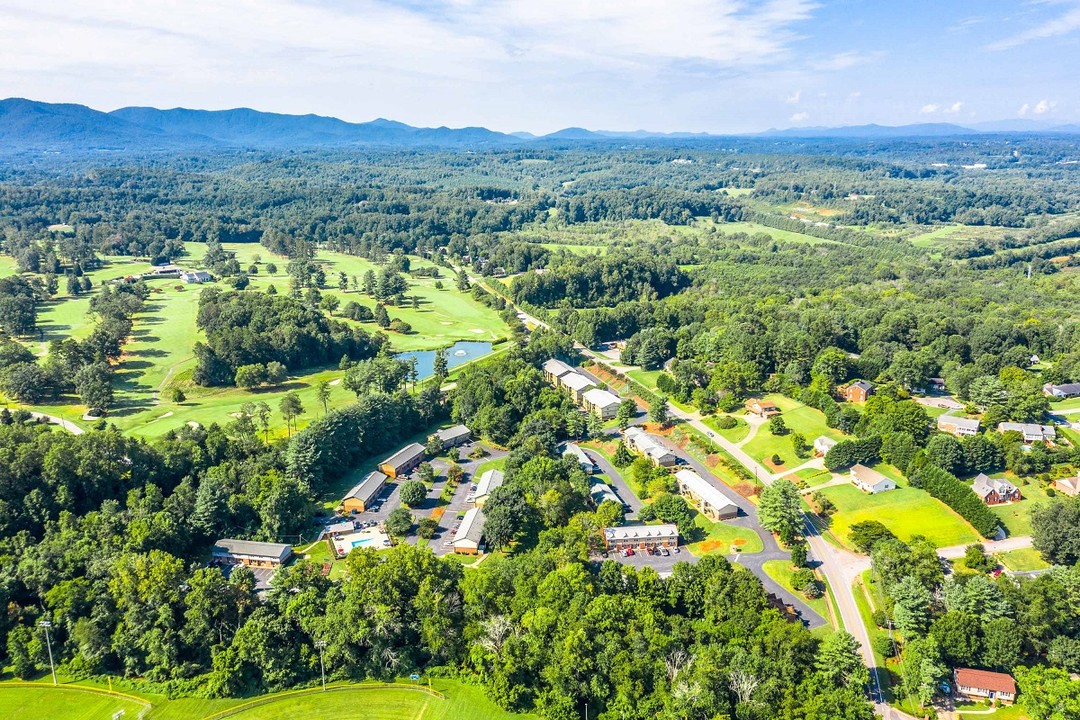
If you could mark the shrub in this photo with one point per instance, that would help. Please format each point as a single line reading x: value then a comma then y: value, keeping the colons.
x: 883, y: 645
x: 427, y: 527
x: 726, y: 422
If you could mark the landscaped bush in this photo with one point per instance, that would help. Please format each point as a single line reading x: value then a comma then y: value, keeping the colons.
x: 726, y: 422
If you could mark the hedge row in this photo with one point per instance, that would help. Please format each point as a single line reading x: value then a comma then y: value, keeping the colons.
x: 948, y: 489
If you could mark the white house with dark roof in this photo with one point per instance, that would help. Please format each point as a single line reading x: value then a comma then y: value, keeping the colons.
x: 959, y: 426
x: 1032, y: 432
x: 1064, y: 390
x: 870, y: 480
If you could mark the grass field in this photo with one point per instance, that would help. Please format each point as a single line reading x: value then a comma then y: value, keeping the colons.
x: 905, y: 511
x: 159, y: 353
x: 782, y: 572
x: 798, y: 419
x: 814, y: 477
x: 751, y: 228
x: 735, y: 434
x: 723, y: 539
x: 45, y: 702
x: 42, y: 701
x: 576, y: 249
x: 646, y: 377
x: 1022, y: 560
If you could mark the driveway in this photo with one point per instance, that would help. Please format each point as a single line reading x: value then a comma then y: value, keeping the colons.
x: 457, y: 504
x: 617, y: 481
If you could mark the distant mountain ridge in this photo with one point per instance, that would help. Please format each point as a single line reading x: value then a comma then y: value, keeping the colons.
x: 32, y: 125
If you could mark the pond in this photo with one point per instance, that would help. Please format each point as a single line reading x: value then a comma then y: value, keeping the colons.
x: 459, y: 353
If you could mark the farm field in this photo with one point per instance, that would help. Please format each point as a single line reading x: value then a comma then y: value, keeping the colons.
x: 807, y: 421
x: 905, y: 511
x: 159, y: 354
x: 723, y: 539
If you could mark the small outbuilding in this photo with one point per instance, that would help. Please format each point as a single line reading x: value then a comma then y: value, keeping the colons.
x: 823, y: 444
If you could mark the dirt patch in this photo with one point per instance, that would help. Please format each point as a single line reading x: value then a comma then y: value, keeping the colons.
x: 437, y: 513
x: 708, y: 546
x: 748, y: 490
x: 767, y: 462
x: 738, y: 542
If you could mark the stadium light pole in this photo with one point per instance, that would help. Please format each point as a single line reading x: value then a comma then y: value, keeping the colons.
x: 48, y: 643
x: 321, y: 644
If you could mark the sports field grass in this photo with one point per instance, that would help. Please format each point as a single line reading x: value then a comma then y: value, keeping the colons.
x: 906, y: 511
x: 723, y: 539
x: 20, y: 701
x: 781, y: 571
x: 798, y: 419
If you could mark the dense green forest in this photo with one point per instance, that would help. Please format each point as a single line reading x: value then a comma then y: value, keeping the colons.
x: 743, y: 268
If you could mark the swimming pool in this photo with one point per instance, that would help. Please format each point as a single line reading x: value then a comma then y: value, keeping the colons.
x: 364, y: 541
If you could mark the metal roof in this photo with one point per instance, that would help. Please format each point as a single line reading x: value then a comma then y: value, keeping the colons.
x: 471, y: 528
x: 404, y: 455
x: 232, y: 546
x: 366, y: 488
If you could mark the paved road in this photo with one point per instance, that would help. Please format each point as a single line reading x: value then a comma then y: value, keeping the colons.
x: 617, y: 481
x: 449, y: 518
x: 66, y: 424
x: 991, y: 546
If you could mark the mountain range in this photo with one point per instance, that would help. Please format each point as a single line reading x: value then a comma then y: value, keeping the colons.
x: 28, y: 125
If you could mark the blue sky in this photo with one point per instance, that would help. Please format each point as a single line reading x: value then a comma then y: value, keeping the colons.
x: 540, y: 65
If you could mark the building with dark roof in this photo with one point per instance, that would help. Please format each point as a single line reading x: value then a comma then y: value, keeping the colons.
x: 453, y: 436
x: 250, y: 553
x: 404, y: 461
x: 359, y: 498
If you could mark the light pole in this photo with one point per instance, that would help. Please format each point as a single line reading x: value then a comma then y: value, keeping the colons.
x: 48, y: 643
x: 321, y: 644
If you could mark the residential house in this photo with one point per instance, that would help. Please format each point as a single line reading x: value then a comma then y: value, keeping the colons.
x: 196, y: 277
x: 958, y: 426
x: 712, y: 503
x: 575, y: 384
x: 1032, y: 432
x: 1068, y: 486
x: 489, y: 480
x: 573, y: 450
x: 761, y: 408
x: 641, y: 537
x: 995, y: 492
x: 453, y: 436
x: 858, y: 391
x: 1062, y: 391
x: 823, y: 444
x: 869, y: 480
x: 601, y: 403
x: 250, y: 553
x: 359, y: 498
x: 937, y: 384
x: 642, y: 442
x: 600, y: 491
x: 470, y: 533
x: 555, y: 369
x: 980, y: 684
x: 403, y: 461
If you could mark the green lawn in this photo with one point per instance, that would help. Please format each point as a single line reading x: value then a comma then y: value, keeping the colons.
x: 1067, y: 404
x: 782, y: 572
x: 905, y: 511
x: 979, y: 711
x: 723, y: 539
x: 814, y: 477
x: 751, y: 228
x: 1022, y: 560
x: 798, y: 419
x: 66, y: 702
x: 576, y: 249
x: 735, y: 434
x: 646, y: 377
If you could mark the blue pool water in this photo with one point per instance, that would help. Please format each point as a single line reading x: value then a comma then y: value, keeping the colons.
x: 364, y: 541
x: 459, y: 353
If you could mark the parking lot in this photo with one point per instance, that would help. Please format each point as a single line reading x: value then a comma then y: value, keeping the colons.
x: 662, y: 564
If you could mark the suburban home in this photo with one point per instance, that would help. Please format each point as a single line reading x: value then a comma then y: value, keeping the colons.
x: 574, y: 451
x: 1032, y: 432
x: 1062, y: 391
x: 869, y: 480
x: 601, y: 403
x: 250, y: 553
x: 489, y: 480
x: 858, y: 391
x: 1068, y: 486
x: 641, y: 537
x: 979, y: 684
x: 642, y: 442
x: 956, y: 425
x: 470, y: 532
x: 823, y: 444
x: 995, y: 492
x: 937, y: 384
x: 196, y: 277
x: 555, y: 369
x: 761, y: 408
x: 359, y: 498
x: 575, y: 385
x: 712, y: 503
x: 454, y: 436
x: 601, y: 491
x: 403, y: 461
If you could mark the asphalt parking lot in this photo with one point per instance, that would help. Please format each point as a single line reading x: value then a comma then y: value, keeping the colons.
x: 662, y: 564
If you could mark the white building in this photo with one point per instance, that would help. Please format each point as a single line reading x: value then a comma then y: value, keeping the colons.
x: 489, y: 480
x: 601, y: 403
x: 470, y: 532
x: 712, y: 503
x: 870, y: 481
x: 642, y: 442
x: 574, y: 450
x: 823, y: 444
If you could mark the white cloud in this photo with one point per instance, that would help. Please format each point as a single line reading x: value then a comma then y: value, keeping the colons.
x: 929, y: 108
x: 1063, y: 24
x: 800, y: 117
x: 1043, y: 107
x: 1023, y: 109
x: 794, y: 98
x: 954, y: 108
x: 454, y: 61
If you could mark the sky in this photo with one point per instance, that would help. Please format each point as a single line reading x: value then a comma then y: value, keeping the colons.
x: 541, y: 65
